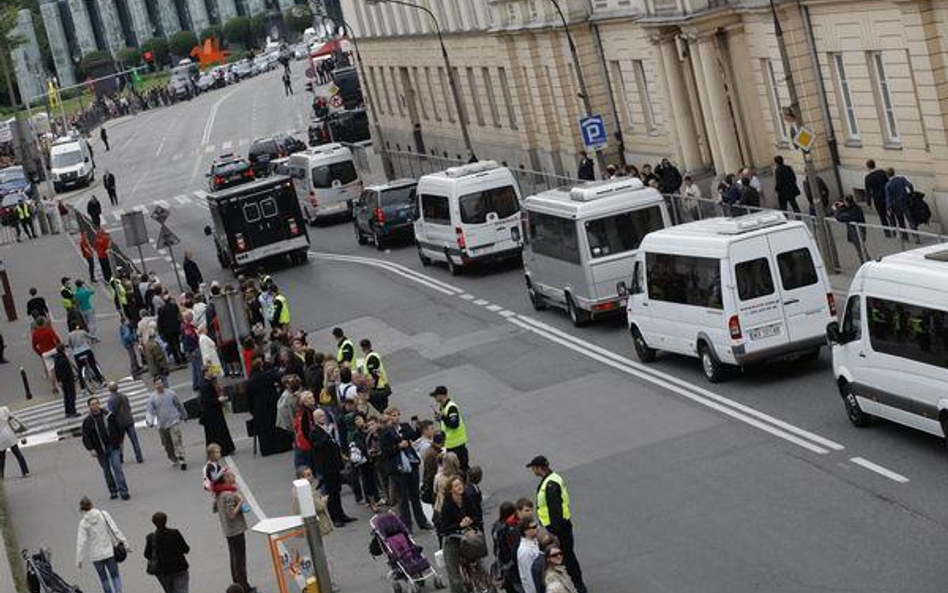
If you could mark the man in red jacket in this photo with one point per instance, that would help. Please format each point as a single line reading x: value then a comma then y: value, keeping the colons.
x: 87, y: 254
x: 102, y: 244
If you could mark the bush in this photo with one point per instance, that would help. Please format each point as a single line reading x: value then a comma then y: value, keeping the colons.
x: 159, y: 49
x: 259, y: 23
x: 237, y: 30
x: 130, y: 56
x: 92, y: 60
x: 298, y: 18
x: 212, y: 32
x: 181, y: 43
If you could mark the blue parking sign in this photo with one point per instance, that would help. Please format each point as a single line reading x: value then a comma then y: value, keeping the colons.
x: 593, y: 130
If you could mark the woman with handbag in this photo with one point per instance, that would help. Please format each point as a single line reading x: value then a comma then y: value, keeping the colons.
x: 10, y: 427
x: 164, y: 551
x: 456, y: 521
x: 101, y: 540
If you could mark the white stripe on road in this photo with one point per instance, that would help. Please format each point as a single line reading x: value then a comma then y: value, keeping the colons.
x: 163, y: 204
x: 243, y: 141
x: 182, y: 199
x: 875, y: 467
x: 209, y: 149
x: 142, y: 208
x: 118, y: 213
x: 226, y: 145
x: 384, y: 266
x: 245, y: 489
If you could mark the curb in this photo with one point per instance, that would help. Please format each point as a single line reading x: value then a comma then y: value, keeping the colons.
x: 11, y: 573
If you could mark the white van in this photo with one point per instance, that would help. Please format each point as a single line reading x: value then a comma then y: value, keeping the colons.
x: 468, y: 214
x: 326, y: 180
x: 70, y: 162
x: 890, y: 357
x: 581, y: 242
x: 730, y: 291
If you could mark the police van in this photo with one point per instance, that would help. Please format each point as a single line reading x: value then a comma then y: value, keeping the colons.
x: 257, y: 221
x: 890, y: 354
x: 468, y: 214
x: 326, y: 180
x: 70, y: 162
x: 581, y: 241
x: 730, y: 291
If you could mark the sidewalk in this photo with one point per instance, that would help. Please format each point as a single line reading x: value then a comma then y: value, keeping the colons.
x: 41, y: 263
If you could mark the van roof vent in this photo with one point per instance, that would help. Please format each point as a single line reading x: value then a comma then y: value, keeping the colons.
x: 941, y: 256
x: 596, y: 190
x: 470, y: 169
x: 751, y: 222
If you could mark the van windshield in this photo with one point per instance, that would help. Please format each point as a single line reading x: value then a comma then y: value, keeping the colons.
x: 61, y: 160
x: 476, y: 206
x: 622, y: 232
x: 324, y: 175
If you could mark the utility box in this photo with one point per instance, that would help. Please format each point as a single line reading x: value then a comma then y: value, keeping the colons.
x: 289, y: 552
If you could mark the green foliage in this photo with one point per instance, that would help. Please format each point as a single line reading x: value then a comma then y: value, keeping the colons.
x: 237, y: 30
x: 158, y: 46
x: 91, y: 60
x: 258, y: 26
x: 181, y: 43
x: 130, y: 56
x: 212, y: 32
x: 298, y: 18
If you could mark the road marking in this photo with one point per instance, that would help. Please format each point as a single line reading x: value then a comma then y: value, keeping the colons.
x: 494, y: 308
x: 245, y: 489
x: 466, y: 296
x: 163, y: 204
x: 226, y: 145
x: 212, y: 116
x: 506, y: 313
x: 182, y: 199
x: 118, y: 214
x: 242, y: 141
x: 142, y: 208
x: 481, y: 302
x: 384, y: 266
x: 882, y: 471
x: 209, y: 149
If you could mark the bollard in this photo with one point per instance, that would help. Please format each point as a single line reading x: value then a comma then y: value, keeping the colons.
x: 26, y: 383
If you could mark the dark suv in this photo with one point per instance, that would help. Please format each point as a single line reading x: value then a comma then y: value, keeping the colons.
x: 228, y: 170
x: 264, y: 150
x: 385, y: 212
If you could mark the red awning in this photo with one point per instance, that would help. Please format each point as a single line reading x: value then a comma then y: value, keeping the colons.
x: 326, y: 49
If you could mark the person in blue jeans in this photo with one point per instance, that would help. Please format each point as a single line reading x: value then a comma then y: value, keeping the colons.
x: 96, y: 540
x: 102, y: 437
x: 121, y: 409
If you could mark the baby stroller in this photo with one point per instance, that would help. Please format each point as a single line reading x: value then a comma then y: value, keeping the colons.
x: 409, y: 569
x: 40, y: 576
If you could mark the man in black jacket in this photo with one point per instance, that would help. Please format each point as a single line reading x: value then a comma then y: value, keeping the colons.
x: 192, y: 274
x: 103, y: 439
x: 108, y: 182
x: 395, y: 440
x: 169, y: 327
x: 94, y: 210
x: 328, y: 465
x: 875, y: 183
x: 669, y: 177
x: 553, y: 511
x: 785, y: 184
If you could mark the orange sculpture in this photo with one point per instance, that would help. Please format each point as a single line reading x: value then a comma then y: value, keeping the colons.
x: 209, y: 52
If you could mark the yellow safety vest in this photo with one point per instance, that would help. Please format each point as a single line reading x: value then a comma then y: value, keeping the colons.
x: 339, y: 351
x: 68, y: 298
x: 284, y: 310
x: 115, y: 286
x: 453, y: 437
x: 22, y: 211
x: 543, y: 511
x: 364, y: 369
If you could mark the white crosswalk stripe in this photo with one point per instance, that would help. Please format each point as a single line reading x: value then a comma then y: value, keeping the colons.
x: 163, y: 204
x: 142, y: 208
x: 226, y: 145
x: 209, y: 149
x: 51, y: 415
x: 243, y: 141
x: 117, y: 213
x: 182, y: 199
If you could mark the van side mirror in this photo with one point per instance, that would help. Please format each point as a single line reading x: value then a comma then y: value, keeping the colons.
x: 621, y: 289
x: 833, y: 334
x: 207, y: 230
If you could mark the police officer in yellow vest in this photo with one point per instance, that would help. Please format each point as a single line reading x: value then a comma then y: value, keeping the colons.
x: 345, y: 351
x: 281, y: 309
x: 119, y: 297
x: 452, y: 425
x: 24, y: 219
x: 372, y: 364
x: 554, y: 514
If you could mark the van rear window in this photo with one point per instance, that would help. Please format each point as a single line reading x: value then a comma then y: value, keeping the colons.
x: 684, y: 279
x: 796, y: 269
x: 476, y: 206
x: 908, y: 331
x: 754, y: 279
x: 434, y: 209
x: 553, y: 236
x: 324, y: 175
x: 622, y: 232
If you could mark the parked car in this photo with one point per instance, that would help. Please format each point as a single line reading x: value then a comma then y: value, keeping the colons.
x: 206, y: 82
x: 13, y: 179
x: 243, y: 69
x: 385, y: 212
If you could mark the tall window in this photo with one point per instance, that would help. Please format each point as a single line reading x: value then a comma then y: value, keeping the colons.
x: 623, y: 90
x: 416, y: 81
x: 491, y: 99
x: 399, y: 100
x: 645, y: 96
x: 475, y: 97
x: 773, y: 88
x: 384, y: 89
x: 431, y: 94
x: 846, y: 104
x: 457, y: 86
x: 446, y: 93
x: 884, y: 98
x: 508, y: 99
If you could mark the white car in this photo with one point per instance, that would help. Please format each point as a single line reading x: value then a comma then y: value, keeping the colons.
x: 206, y: 81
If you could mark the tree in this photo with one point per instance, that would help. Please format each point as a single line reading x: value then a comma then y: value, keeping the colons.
x: 212, y: 32
x: 237, y: 30
x: 130, y: 56
x: 8, y: 42
x: 298, y: 18
x: 259, y: 24
x: 181, y: 43
x: 92, y: 60
x: 159, y: 51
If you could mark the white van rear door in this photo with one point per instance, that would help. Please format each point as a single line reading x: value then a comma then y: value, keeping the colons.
x: 490, y: 219
x: 759, y: 310
x: 803, y: 286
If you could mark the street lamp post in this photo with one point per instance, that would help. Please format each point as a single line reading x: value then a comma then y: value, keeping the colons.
x: 587, y: 107
x: 447, y: 64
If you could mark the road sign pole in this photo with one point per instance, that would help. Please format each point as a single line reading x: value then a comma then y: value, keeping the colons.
x: 141, y: 256
x: 174, y: 265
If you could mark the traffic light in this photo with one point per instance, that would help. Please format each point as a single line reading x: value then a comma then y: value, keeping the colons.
x: 149, y: 58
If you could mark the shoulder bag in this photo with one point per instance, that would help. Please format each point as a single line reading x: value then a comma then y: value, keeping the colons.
x: 119, y: 551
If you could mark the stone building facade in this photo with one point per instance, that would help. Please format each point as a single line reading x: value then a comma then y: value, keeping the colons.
x: 698, y: 81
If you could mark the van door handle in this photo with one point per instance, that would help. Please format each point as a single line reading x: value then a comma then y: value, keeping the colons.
x: 791, y: 301
x: 862, y: 355
x: 645, y: 303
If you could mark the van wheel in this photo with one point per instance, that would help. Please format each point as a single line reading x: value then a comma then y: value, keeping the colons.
x: 859, y: 418
x: 425, y: 260
x: 576, y: 315
x: 713, y: 369
x: 538, y: 302
x: 454, y: 268
x: 642, y: 350
x: 360, y: 238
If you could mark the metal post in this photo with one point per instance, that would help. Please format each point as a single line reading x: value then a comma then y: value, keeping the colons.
x: 174, y: 264
x: 233, y: 324
x: 314, y: 537
x: 26, y: 383
x: 141, y: 256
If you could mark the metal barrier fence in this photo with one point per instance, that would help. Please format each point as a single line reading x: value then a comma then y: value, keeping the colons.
x: 844, y: 246
x: 122, y: 265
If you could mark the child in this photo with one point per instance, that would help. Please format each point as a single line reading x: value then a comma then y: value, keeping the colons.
x: 214, y: 471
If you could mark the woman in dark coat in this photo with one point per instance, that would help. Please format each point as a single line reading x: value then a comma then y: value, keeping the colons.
x: 164, y: 551
x: 212, y: 414
x: 262, y: 389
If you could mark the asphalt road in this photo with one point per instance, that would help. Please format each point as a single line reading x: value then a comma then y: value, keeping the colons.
x: 759, y: 483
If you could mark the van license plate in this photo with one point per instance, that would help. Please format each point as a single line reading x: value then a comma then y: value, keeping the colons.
x: 767, y: 331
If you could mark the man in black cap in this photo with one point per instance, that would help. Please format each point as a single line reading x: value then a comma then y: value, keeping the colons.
x: 554, y: 514
x: 452, y: 425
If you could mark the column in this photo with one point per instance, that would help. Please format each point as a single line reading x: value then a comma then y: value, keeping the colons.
x: 82, y: 25
x: 686, y: 135
x: 227, y: 9
x: 168, y: 16
x: 255, y: 7
x: 58, y: 43
x: 141, y: 24
x: 727, y: 158
x: 199, y: 18
x: 286, y: 5
x: 112, y: 26
x: 27, y: 62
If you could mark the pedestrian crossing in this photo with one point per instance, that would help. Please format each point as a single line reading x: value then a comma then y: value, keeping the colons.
x: 50, y: 417
x: 197, y: 198
x: 228, y: 145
